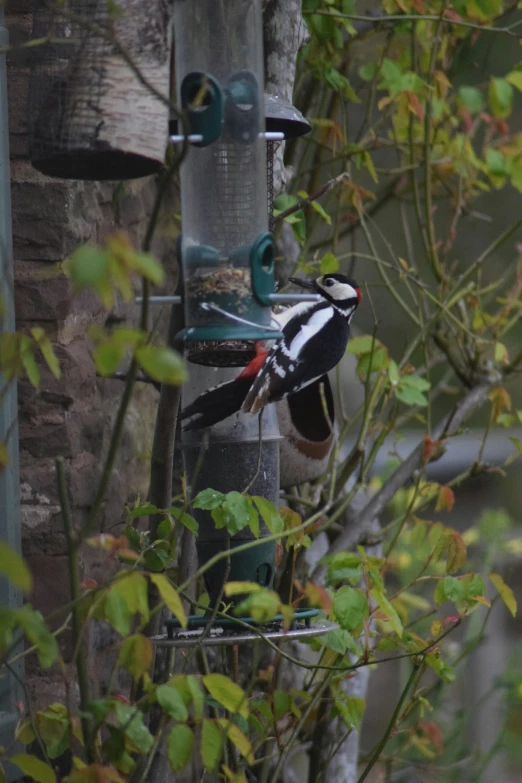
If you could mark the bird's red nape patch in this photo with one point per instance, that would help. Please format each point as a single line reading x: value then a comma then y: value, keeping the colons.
x: 359, y: 295
x: 252, y: 369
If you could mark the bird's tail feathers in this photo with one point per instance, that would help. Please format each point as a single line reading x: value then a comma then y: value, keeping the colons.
x: 217, y: 403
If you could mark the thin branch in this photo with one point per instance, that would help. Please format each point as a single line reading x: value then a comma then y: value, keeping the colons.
x: 309, y: 199
x: 448, y: 426
x: 413, y: 679
x: 417, y: 18
x: 77, y: 619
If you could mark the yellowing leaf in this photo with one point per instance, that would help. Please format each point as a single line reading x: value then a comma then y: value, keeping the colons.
x: 13, y: 568
x: 505, y: 592
x: 136, y: 654
x: 228, y: 693
x: 445, y: 499
x: 170, y: 596
x: 237, y: 588
x: 501, y: 352
x: 386, y: 607
x: 456, y: 551
x: 46, y: 348
x: 34, y: 768
x: 318, y: 596
x: 241, y: 742
x: 4, y: 456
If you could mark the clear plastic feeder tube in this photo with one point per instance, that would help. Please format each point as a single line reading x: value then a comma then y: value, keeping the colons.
x: 219, y: 71
x: 228, y: 458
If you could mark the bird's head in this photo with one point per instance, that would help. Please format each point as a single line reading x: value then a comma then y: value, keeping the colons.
x: 338, y: 289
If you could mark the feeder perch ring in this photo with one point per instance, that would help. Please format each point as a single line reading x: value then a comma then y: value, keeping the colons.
x: 224, y: 637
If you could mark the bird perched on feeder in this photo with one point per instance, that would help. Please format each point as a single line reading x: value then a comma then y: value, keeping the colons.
x: 315, y: 335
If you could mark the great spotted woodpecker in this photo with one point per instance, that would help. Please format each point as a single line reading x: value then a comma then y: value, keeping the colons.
x: 315, y: 335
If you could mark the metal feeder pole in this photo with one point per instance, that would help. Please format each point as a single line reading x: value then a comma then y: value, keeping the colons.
x: 10, y: 691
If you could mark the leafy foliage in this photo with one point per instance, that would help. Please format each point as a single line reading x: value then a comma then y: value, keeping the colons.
x: 431, y: 139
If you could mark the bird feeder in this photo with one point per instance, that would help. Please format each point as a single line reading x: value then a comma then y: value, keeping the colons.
x: 227, y: 262
x: 92, y: 115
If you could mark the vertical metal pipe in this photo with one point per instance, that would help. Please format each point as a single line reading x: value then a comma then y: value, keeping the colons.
x: 9, y: 475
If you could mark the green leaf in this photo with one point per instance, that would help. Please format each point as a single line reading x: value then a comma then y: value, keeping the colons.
x: 409, y: 394
x: 350, y: 607
x: 107, y: 358
x: 321, y: 211
x: 500, y: 97
x: 262, y: 605
x: 143, y: 510
x: 226, y: 692
x: 496, y: 163
x: 454, y: 589
x: 180, y: 745
x: 367, y: 71
x: 351, y: 709
x: 170, y: 596
x: 505, y: 592
x: 515, y: 78
x: 45, y: 346
x: 234, y: 514
x: 373, y: 362
x: 185, y: 519
x: 116, y: 612
x: 165, y: 529
x: 343, y: 566
x: 471, y: 99
x: 88, y: 267
x: 170, y: 700
x: 415, y: 382
x: 148, y: 267
x: 387, y: 609
x: 282, y: 704
x: 131, y: 720
x: 13, y: 568
x: 340, y: 641
x: 269, y: 514
x: 28, y: 360
x: 198, y: 698
x: 340, y: 83
x: 208, y: 499
x: 136, y: 654
x: 133, y: 589
x: 34, y: 768
x: 38, y: 633
x: 362, y: 344
x: 329, y: 264
x: 162, y: 364
x: 211, y: 745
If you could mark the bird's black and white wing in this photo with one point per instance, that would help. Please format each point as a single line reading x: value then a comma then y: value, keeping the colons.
x: 314, y: 340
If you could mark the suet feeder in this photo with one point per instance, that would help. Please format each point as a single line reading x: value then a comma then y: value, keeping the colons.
x: 90, y: 115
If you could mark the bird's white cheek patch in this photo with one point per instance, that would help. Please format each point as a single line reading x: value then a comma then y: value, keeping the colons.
x: 309, y: 330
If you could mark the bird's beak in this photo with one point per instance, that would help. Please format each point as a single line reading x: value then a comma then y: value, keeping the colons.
x: 311, y: 285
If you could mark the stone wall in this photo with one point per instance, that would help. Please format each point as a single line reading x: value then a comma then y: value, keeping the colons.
x: 71, y: 417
